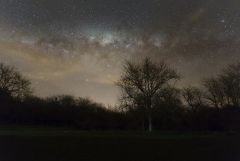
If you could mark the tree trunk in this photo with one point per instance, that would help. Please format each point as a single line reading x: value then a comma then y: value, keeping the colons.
x: 150, y: 120
x: 150, y: 116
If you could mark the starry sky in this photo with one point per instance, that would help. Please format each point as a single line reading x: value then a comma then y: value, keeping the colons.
x: 77, y: 47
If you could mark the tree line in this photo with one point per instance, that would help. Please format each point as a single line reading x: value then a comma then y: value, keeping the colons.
x: 150, y: 100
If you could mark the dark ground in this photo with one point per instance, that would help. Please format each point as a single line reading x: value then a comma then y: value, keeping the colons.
x: 27, y: 144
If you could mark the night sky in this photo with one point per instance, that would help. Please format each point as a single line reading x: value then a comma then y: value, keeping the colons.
x: 77, y: 46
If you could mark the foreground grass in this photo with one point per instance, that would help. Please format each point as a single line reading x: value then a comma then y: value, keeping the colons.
x: 34, y: 144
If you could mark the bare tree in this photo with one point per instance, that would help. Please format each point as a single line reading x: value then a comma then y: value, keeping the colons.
x: 214, y: 92
x: 225, y: 88
x: 193, y: 97
x: 141, y: 82
x: 12, y: 83
x: 230, y: 79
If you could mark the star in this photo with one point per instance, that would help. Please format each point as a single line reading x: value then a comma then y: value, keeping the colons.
x: 222, y: 21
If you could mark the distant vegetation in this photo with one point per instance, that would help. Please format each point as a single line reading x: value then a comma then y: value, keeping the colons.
x: 150, y: 101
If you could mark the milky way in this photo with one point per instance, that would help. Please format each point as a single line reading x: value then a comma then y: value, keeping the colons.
x: 77, y: 46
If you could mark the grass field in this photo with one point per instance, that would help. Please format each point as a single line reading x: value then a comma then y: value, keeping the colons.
x: 27, y: 144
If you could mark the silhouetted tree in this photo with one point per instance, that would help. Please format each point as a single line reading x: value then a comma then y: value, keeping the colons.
x: 169, y: 95
x: 224, y: 90
x: 168, y: 109
x: 140, y: 83
x: 193, y: 97
x: 230, y: 80
x: 214, y: 92
x: 12, y: 83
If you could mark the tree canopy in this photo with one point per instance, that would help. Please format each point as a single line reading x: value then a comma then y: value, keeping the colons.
x: 12, y: 83
x: 141, y: 82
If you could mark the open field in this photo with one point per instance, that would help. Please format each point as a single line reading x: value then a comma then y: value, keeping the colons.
x: 26, y: 144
